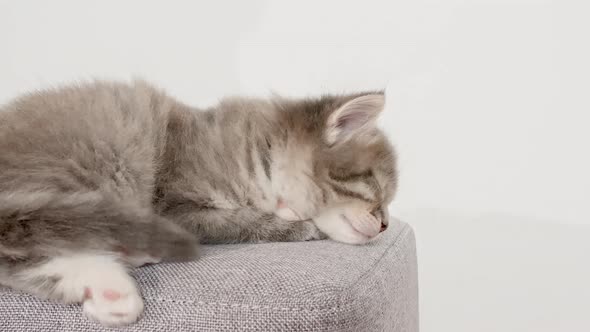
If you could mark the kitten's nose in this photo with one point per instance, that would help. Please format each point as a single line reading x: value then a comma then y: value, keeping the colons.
x: 383, y: 227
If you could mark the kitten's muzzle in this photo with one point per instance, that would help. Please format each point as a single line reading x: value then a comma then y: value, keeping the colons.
x: 380, y: 215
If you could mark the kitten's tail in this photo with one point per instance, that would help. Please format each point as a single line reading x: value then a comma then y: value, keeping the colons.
x: 44, y: 224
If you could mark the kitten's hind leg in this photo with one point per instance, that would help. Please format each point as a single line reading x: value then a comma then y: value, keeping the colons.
x: 35, y: 224
x: 100, y: 282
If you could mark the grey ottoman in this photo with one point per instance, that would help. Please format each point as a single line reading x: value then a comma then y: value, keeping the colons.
x: 310, y: 286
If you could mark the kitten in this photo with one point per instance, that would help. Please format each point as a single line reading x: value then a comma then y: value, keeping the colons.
x: 99, y: 177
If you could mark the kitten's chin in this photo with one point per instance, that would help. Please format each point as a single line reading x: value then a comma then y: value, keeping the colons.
x: 349, y: 224
x: 357, y: 239
x: 365, y: 233
x: 351, y: 236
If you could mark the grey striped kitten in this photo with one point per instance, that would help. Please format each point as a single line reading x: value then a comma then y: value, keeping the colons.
x: 99, y: 177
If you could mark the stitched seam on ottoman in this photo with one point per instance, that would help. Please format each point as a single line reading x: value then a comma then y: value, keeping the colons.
x: 396, y: 243
x: 250, y: 307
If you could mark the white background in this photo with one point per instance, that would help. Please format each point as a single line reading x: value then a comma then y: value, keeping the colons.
x: 487, y: 103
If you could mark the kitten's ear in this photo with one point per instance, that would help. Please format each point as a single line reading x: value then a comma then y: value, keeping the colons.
x: 354, y: 118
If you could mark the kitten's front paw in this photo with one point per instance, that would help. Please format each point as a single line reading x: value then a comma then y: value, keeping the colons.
x: 113, y: 300
x: 311, y: 231
x: 353, y: 225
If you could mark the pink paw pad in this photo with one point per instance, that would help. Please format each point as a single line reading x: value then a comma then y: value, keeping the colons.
x: 111, y: 295
x: 107, y: 294
x: 87, y: 293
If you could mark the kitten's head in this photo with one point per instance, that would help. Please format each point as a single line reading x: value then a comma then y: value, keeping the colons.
x: 336, y: 155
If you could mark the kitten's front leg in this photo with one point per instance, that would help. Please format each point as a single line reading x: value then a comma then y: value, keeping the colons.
x: 304, y: 230
x: 244, y: 224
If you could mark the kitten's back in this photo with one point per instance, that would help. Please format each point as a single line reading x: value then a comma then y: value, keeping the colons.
x: 79, y: 163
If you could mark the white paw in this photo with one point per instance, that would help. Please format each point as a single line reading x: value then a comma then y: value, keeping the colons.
x: 113, y: 300
x: 101, y: 282
x: 353, y: 224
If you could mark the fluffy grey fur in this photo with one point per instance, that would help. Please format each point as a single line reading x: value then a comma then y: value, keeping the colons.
x: 125, y: 171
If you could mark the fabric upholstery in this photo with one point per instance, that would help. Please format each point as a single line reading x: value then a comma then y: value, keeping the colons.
x: 304, y: 286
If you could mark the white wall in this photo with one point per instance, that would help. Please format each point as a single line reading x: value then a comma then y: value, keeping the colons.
x: 487, y: 99
x: 478, y: 95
